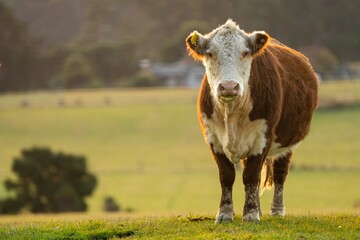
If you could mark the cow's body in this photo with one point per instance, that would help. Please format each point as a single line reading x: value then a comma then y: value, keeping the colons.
x: 258, y: 113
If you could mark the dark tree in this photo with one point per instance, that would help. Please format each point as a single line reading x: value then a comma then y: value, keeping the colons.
x: 110, y: 205
x: 113, y: 35
x: 48, y: 182
x: 113, y: 61
x: 18, y: 54
x: 77, y: 72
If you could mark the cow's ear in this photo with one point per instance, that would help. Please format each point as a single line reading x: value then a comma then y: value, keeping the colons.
x: 196, y: 45
x: 257, y: 42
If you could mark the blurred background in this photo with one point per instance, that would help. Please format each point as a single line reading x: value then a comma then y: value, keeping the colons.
x: 111, y: 81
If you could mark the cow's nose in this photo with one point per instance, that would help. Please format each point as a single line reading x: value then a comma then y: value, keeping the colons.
x: 228, y: 88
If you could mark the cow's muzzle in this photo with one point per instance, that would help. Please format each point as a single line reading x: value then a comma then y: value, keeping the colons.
x: 228, y: 90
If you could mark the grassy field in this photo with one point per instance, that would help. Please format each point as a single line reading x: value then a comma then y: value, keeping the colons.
x: 146, y: 148
x: 335, y: 226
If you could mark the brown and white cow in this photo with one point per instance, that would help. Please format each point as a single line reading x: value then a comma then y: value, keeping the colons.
x: 255, y: 105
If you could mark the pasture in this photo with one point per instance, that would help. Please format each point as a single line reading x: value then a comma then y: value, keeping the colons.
x: 335, y: 226
x: 146, y: 148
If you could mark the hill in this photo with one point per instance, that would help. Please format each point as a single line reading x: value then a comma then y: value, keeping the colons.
x: 66, y: 44
x: 114, y: 20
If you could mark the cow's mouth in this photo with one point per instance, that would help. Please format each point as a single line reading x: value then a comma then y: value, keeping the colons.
x: 227, y: 99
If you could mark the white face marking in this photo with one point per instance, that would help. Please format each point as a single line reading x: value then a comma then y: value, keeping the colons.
x: 225, y: 59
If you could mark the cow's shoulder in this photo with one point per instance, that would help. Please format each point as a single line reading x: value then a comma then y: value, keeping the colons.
x: 265, y: 87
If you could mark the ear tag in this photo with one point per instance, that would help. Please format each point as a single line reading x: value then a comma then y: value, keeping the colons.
x: 194, y: 39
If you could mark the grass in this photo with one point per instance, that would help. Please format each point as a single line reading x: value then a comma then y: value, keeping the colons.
x: 335, y: 226
x: 146, y: 148
x: 339, y: 92
x: 138, y: 154
x: 332, y: 140
x: 315, y: 192
x: 98, y: 98
x: 330, y: 93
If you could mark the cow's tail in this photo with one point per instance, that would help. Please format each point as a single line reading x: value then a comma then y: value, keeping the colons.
x: 267, y: 175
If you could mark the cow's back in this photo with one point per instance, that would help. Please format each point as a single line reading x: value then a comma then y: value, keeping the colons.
x: 283, y: 88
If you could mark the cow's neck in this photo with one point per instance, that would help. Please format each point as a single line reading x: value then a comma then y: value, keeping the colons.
x: 238, y: 135
x: 233, y: 112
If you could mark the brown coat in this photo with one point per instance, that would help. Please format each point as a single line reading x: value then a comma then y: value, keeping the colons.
x: 256, y: 107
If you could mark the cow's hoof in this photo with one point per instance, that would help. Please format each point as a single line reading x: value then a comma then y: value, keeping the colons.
x: 277, y: 210
x: 251, y: 216
x: 224, y: 218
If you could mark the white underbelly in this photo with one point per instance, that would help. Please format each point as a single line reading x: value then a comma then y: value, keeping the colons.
x: 276, y: 150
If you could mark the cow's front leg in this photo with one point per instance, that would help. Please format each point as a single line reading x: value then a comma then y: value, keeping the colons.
x: 227, y: 178
x: 251, y: 180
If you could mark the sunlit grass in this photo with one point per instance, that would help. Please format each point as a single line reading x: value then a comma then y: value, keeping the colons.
x: 333, y: 140
x: 337, y: 92
x: 148, y: 153
x: 314, y: 191
x: 330, y: 92
x: 309, y: 226
x: 99, y: 97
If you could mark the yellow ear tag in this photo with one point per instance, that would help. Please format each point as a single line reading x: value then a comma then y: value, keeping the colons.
x: 194, y: 39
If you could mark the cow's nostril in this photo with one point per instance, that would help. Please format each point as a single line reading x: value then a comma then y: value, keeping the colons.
x: 221, y: 87
x: 237, y: 87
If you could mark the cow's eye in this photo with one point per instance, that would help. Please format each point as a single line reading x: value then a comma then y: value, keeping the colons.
x: 245, y: 54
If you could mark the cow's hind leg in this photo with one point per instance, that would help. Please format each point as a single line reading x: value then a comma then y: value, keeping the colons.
x: 280, y: 169
x: 227, y: 178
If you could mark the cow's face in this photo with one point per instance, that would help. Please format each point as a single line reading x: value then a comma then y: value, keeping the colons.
x: 227, y: 53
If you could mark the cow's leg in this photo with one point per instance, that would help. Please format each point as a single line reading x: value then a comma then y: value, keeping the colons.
x: 227, y: 178
x: 251, y: 180
x: 280, y: 168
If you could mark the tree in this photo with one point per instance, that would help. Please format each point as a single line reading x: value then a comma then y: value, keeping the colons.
x: 110, y: 205
x: 173, y: 47
x: 48, y: 182
x: 77, y: 72
x: 18, y: 54
x: 321, y: 58
x: 112, y: 61
x: 155, y: 31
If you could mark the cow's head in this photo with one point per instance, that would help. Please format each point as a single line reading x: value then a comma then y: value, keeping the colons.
x: 227, y: 53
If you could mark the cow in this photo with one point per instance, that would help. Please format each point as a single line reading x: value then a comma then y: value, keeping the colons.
x: 255, y: 106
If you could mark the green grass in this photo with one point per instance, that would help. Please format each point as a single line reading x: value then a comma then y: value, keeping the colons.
x: 148, y: 153
x: 335, y: 226
x: 339, y: 92
x: 333, y: 140
x: 100, y: 97
x: 138, y: 154
x: 315, y: 191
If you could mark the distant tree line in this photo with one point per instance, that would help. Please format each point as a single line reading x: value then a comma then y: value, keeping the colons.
x: 90, y: 43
